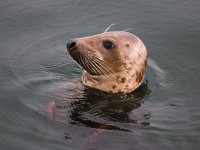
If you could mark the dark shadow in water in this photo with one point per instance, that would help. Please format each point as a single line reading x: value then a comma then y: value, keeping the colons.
x: 109, y: 107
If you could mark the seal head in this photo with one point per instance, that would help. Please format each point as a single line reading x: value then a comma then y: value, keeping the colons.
x: 112, y: 61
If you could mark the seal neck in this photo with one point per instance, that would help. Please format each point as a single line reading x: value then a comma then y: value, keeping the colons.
x: 122, y: 82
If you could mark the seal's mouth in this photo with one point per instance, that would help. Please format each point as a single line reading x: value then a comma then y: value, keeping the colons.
x: 90, y: 62
x: 87, y: 60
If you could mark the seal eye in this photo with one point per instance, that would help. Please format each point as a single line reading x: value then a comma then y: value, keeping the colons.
x: 107, y: 44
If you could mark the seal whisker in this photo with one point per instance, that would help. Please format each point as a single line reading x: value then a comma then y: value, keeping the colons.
x: 108, y: 69
x: 90, y: 65
x: 95, y: 65
x: 104, y: 74
x: 77, y: 60
x: 82, y: 62
x: 86, y: 65
x: 99, y: 65
x: 108, y: 28
x: 103, y: 66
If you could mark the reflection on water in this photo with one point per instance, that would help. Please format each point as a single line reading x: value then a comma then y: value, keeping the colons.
x: 160, y: 73
x: 35, y: 72
x: 77, y: 105
x: 109, y: 107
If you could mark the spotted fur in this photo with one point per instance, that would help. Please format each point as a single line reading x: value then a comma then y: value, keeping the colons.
x: 119, y: 69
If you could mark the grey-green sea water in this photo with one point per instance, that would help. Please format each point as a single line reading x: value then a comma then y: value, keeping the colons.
x: 35, y: 70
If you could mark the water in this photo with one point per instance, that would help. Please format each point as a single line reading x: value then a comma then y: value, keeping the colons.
x: 35, y: 71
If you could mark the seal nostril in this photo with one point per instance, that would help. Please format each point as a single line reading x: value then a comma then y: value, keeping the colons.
x: 71, y: 44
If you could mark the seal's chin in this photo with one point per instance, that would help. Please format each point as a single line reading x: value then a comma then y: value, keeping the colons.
x: 90, y: 63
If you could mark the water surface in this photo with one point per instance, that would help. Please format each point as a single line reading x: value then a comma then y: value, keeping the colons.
x: 35, y: 71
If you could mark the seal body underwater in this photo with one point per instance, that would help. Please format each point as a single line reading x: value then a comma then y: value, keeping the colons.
x: 112, y: 61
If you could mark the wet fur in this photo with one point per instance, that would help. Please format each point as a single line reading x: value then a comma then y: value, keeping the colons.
x: 120, y: 69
